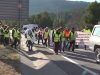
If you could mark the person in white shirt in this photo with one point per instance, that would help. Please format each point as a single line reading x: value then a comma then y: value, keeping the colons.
x: 30, y: 35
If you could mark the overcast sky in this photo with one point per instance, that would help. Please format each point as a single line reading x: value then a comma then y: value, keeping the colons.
x: 86, y: 0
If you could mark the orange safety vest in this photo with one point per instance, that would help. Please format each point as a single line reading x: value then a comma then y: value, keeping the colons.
x: 67, y: 33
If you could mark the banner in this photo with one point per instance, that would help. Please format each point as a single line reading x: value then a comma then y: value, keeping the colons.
x: 82, y: 38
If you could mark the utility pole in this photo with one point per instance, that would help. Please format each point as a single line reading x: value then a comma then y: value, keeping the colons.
x: 19, y: 13
x: 19, y: 18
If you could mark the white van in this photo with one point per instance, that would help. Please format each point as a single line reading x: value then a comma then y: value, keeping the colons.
x: 95, y: 42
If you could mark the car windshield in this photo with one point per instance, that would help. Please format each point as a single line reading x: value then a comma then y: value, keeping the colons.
x: 96, y: 31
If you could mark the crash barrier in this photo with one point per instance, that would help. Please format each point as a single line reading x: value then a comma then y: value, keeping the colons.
x: 82, y: 38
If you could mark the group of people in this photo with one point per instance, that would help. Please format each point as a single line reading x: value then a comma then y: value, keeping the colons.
x: 62, y: 38
x: 9, y: 36
x: 39, y: 35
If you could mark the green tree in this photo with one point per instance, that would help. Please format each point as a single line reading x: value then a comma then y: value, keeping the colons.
x: 92, y: 15
x: 42, y: 19
x: 59, y: 22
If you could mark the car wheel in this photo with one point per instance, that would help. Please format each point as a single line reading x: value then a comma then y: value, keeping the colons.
x: 97, y: 55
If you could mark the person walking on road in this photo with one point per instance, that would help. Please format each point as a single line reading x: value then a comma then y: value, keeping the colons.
x: 1, y: 34
x: 46, y: 36
x: 72, y: 40
x: 40, y: 36
x: 62, y: 40
x: 30, y: 35
x: 15, y: 35
x: 66, y: 36
x: 7, y: 36
x: 57, y: 39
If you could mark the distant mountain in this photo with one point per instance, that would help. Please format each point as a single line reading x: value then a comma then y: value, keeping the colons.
x: 37, y: 6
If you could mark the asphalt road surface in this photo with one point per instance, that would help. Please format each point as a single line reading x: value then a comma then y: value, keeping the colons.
x: 43, y: 61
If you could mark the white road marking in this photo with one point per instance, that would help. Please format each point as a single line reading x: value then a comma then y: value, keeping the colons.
x: 85, y: 69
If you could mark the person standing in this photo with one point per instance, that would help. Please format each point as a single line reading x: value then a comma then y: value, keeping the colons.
x: 15, y: 35
x: 57, y: 39
x: 46, y: 36
x: 72, y: 40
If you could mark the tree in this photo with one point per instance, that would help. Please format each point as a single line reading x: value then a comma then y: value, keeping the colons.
x: 59, y: 22
x: 92, y: 15
x: 42, y: 19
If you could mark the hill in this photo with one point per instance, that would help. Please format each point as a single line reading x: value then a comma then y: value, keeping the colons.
x: 37, y: 6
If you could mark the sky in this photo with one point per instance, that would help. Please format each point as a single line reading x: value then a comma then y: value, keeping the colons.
x: 85, y: 0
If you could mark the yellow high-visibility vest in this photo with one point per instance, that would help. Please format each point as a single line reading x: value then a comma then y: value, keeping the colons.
x: 16, y: 33
x: 57, y: 37
x: 87, y: 30
x: 46, y: 34
x: 7, y: 34
x: 72, y: 36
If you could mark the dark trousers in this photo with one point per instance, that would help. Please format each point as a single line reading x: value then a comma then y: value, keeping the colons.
x: 15, y: 43
x: 45, y: 42
x: 6, y: 40
x: 56, y: 47
x: 2, y: 38
x: 72, y: 44
x: 40, y: 38
x: 29, y: 45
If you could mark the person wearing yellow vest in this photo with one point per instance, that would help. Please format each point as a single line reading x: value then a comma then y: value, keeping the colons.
x: 15, y: 35
x: 46, y: 36
x: 72, y: 40
x: 62, y: 40
x: 7, y: 36
x: 87, y: 30
x: 57, y: 39
x: 1, y: 34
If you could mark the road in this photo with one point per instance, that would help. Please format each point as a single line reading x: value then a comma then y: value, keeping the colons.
x: 43, y: 61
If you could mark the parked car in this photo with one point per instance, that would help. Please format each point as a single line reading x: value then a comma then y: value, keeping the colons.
x: 95, y: 42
